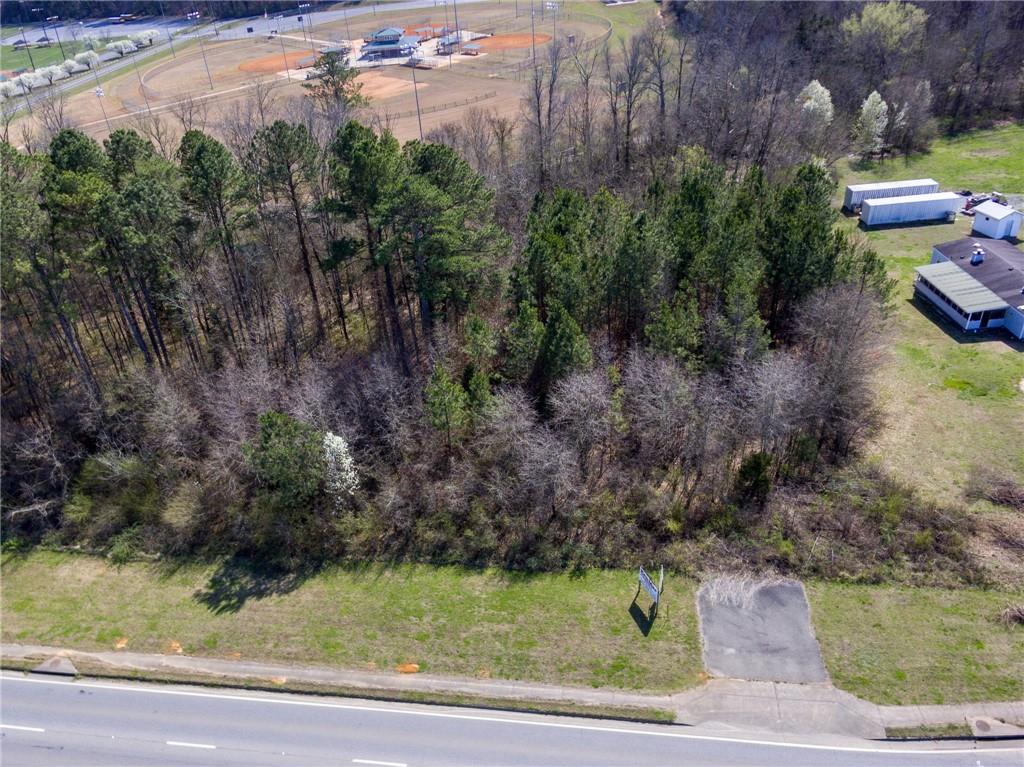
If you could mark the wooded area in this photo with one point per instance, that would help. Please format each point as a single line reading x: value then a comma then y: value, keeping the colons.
x: 624, y: 324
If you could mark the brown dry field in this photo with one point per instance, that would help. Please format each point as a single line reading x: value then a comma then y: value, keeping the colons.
x: 268, y: 65
x: 511, y: 42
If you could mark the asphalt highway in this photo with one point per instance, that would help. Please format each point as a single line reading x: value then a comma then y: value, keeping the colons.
x: 52, y: 721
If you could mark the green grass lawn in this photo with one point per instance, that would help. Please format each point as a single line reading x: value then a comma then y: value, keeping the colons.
x: 953, y: 400
x: 900, y: 645
x: 11, y: 59
x: 980, y: 161
x: 546, y: 628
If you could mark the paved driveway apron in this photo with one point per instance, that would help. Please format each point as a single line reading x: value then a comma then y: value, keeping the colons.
x: 760, y: 632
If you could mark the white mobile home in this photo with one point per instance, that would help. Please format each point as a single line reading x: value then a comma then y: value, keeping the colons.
x: 978, y: 285
x: 996, y: 221
x: 915, y: 207
x: 857, y: 193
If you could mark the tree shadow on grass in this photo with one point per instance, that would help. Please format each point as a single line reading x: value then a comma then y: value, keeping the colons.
x: 238, y: 580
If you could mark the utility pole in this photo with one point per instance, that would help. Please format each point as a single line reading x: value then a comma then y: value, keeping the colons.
x: 348, y: 30
x: 416, y: 93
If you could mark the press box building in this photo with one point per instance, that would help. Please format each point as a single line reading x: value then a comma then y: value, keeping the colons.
x: 978, y: 284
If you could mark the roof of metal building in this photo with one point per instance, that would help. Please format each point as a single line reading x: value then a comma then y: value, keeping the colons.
x: 928, y: 197
x: 994, y: 210
x: 960, y: 287
x: 892, y: 184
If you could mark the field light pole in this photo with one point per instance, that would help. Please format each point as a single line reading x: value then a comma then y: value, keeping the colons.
x: 56, y: 33
x: 103, y: 109
x: 284, y: 55
x: 142, y: 85
x: 206, y: 64
x: 348, y: 29
x: 167, y: 29
x: 416, y: 93
x: 302, y: 22
x: 458, y: 36
x: 533, y: 32
x: 28, y: 49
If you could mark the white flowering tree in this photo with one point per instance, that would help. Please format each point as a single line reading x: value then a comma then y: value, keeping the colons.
x: 816, y: 115
x: 869, y: 132
x: 121, y: 47
x: 87, y: 59
x: 29, y: 81
x: 8, y: 89
x: 816, y: 103
x: 340, y: 476
x: 144, y: 38
x: 70, y: 66
x: 49, y: 74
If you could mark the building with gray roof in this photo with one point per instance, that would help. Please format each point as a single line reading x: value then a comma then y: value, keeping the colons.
x: 977, y: 283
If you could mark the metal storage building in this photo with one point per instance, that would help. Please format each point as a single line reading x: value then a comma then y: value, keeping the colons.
x: 915, y: 207
x: 996, y: 221
x: 978, y: 285
x: 857, y: 193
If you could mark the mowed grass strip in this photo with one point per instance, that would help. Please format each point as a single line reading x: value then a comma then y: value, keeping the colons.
x: 556, y: 628
x: 904, y: 645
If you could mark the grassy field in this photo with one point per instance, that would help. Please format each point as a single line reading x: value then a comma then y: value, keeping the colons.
x: 11, y: 59
x: 980, y: 161
x: 898, y: 645
x: 547, y: 628
x: 953, y: 400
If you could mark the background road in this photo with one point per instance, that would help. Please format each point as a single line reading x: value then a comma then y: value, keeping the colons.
x: 48, y: 721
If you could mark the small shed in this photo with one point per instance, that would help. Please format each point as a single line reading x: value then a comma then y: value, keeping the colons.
x: 997, y: 221
x: 915, y: 207
x: 857, y: 193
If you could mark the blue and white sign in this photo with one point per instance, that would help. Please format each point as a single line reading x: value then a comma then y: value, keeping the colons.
x: 648, y: 584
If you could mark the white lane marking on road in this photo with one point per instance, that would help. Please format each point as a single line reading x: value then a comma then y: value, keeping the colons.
x: 19, y: 727
x: 185, y: 744
x: 666, y: 733
x: 383, y: 764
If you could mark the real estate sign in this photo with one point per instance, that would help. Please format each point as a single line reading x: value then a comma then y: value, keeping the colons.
x: 648, y: 585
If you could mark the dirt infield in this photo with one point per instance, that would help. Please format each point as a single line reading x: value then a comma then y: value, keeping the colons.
x: 511, y: 42
x: 274, y: 62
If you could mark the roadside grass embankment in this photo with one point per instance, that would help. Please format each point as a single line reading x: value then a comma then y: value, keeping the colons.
x: 553, y: 628
x: 888, y: 644
x: 898, y: 645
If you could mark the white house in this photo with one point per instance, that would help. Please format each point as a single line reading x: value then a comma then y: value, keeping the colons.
x: 996, y: 221
x: 978, y: 285
x: 916, y: 207
x: 857, y: 193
